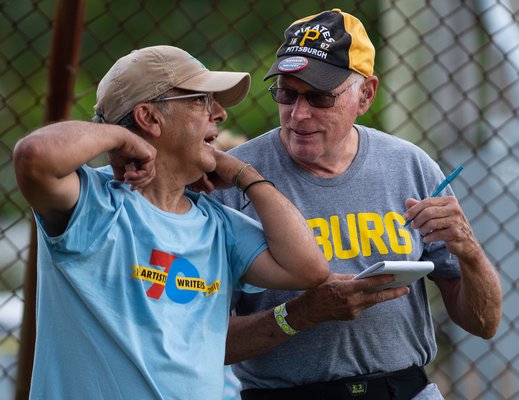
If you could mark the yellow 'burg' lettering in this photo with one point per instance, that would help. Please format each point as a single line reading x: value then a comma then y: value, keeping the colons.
x: 390, y: 220
x: 324, y: 238
x: 337, y: 239
x: 364, y: 230
x: 368, y: 235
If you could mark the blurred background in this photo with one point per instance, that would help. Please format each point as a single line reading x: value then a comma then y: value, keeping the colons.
x: 448, y: 82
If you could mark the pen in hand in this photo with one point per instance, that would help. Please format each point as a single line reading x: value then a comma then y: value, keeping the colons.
x: 442, y: 186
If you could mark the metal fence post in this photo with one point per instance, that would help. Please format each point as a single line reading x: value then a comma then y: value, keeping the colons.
x: 64, y: 59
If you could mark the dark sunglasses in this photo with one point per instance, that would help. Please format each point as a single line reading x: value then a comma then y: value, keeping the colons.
x: 314, y: 98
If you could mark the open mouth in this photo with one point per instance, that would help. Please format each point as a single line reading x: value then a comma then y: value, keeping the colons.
x: 209, y: 139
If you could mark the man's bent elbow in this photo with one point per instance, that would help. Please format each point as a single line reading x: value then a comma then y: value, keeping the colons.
x: 490, y: 327
x: 485, y: 326
x: 319, y: 273
x: 26, y: 156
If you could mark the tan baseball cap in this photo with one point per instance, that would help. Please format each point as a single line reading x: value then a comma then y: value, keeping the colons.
x: 147, y: 73
x: 323, y: 49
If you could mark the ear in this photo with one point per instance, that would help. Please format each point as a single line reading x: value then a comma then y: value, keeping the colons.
x: 368, y: 91
x: 148, y: 119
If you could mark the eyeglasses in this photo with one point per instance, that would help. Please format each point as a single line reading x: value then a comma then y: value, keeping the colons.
x: 314, y: 98
x: 208, y: 98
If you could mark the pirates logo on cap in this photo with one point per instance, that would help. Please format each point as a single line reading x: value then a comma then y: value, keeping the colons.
x: 293, y: 64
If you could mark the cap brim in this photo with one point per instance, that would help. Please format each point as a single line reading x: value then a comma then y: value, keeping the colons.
x: 229, y: 88
x: 320, y: 75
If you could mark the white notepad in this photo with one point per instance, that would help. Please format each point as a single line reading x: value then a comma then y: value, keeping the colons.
x: 406, y: 272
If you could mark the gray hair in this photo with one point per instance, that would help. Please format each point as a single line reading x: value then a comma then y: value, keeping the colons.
x: 356, y: 80
x: 129, y: 122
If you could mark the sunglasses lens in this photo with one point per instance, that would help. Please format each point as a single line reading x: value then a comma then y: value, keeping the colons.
x: 289, y: 96
x: 320, y: 100
x: 284, y: 96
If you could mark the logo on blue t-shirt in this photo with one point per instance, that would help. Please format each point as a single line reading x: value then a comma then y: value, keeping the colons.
x: 180, y: 279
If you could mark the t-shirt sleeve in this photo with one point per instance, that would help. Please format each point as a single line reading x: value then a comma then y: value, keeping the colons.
x: 93, y: 210
x: 245, y: 240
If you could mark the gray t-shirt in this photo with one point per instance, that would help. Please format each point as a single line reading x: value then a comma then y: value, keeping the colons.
x: 357, y: 221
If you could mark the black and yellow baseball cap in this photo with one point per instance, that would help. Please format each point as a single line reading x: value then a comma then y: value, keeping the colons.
x: 323, y: 49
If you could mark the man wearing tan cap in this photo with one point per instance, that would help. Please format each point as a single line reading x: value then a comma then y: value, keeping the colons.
x: 135, y: 273
x: 356, y: 187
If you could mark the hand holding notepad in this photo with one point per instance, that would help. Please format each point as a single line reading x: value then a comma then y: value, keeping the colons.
x: 406, y: 272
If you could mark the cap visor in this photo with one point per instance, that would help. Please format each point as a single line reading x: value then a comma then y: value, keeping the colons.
x: 318, y: 74
x: 229, y: 88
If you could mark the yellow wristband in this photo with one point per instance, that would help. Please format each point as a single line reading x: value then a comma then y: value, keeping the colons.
x: 280, y: 312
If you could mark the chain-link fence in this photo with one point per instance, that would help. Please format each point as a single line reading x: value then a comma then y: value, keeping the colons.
x: 449, y: 82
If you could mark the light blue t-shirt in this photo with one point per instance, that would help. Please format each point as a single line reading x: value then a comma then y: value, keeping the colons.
x: 132, y: 301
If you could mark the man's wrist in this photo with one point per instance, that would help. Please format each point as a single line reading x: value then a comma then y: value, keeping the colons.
x: 236, y: 179
x: 248, y: 175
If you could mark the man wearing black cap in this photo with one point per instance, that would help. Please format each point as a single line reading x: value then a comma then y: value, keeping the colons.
x: 135, y: 273
x: 356, y: 187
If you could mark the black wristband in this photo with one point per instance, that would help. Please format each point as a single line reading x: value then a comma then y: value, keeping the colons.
x: 244, y: 191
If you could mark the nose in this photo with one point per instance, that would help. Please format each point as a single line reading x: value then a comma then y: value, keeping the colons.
x: 301, y: 109
x: 219, y: 114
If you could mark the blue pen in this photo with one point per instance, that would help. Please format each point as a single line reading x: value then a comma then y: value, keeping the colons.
x: 442, y: 186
